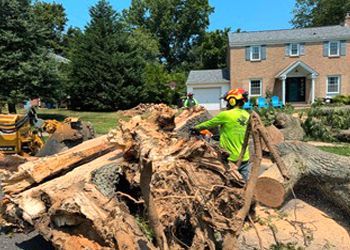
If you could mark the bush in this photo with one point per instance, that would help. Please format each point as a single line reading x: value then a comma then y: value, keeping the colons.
x: 268, y: 116
x: 342, y: 99
x: 324, y: 123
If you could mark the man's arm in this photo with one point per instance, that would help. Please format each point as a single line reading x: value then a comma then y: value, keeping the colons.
x: 186, y: 103
x: 214, y: 122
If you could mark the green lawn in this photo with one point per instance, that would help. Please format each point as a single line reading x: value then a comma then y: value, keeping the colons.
x: 343, y: 150
x: 102, y: 121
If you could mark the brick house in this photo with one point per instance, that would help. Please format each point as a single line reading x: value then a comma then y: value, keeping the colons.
x: 298, y: 65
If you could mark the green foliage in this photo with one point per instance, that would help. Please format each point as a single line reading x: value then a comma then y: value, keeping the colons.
x: 342, y: 99
x: 26, y: 70
x: 52, y: 17
x: 178, y: 25
x: 106, y: 69
x: 268, y: 115
x: 211, y: 52
x: 314, y: 13
x: 145, y: 228
x: 323, y: 123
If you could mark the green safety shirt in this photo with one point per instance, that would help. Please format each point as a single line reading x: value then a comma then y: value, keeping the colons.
x: 233, y: 125
x: 189, y: 103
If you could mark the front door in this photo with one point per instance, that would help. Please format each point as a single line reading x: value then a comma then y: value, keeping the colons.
x: 295, y: 89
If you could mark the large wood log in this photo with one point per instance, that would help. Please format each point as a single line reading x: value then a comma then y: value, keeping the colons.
x: 35, y: 172
x: 327, y: 172
x: 72, y: 212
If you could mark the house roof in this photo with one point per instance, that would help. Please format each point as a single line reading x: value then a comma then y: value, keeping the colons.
x: 293, y: 66
x: 208, y: 76
x: 318, y: 34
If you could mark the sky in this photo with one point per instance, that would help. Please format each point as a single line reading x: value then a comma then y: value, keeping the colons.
x: 248, y: 15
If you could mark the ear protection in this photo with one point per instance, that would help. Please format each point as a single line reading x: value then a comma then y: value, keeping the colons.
x: 232, y: 101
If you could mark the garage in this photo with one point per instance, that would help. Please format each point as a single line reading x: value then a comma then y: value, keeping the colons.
x: 208, y: 97
x: 208, y: 86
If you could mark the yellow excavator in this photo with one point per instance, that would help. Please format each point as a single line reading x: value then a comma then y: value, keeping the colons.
x: 23, y: 134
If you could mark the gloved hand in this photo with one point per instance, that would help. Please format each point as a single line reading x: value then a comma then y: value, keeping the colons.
x: 194, y: 131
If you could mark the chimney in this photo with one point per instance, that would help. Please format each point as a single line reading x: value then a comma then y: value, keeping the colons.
x: 347, y: 20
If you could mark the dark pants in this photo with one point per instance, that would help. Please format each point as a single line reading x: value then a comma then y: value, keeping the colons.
x: 244, y: 170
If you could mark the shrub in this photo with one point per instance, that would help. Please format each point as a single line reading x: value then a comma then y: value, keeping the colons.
x: 342, y: 99
x: 324, y: 123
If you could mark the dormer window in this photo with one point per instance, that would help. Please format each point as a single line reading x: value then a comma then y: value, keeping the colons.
x: 294, y: 49
x: 255, y: 53
x: 334, y: 48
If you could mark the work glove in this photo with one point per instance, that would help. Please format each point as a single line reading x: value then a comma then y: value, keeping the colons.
x: 194, y: 131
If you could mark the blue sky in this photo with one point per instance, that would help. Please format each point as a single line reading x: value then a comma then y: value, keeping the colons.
x: 249, y: 15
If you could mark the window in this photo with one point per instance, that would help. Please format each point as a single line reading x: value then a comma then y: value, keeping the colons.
x: 333, y: 85
x: 334, y: 48
x: 255, y: 53
x: 294, y: 49
x: 255, y: 88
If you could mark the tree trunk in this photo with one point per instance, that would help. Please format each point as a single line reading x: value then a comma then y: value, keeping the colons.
x: 72, y: 212
x: 328, y: 172
x: 35, y: 172
x: 12, y: 108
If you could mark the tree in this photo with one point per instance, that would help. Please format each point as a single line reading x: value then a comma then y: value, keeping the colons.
x: 26, y: 70
x: 313, y: 13
x: 106, y: 68
x: 52, y: 17
x: 178, y: 25
x: 211, y: 53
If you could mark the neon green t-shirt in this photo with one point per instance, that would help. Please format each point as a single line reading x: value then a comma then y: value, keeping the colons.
x: 233, y: 125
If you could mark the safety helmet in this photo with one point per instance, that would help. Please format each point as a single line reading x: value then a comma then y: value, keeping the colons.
x: 234, y: 95
x: 190, y: 94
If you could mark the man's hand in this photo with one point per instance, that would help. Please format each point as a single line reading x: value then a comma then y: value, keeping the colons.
x: 194, y: 131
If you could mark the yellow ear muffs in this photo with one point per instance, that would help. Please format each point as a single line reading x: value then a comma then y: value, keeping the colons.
x: 232, y: 101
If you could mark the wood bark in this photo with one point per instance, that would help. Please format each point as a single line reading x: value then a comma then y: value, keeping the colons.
x: 328, y: 172
x: 35, y: 172
x: 72, y: 213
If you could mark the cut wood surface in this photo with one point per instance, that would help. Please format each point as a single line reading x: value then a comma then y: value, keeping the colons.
x: 297, y: 224
x: 324, y: 171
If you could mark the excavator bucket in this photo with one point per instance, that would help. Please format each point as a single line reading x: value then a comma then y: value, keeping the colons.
x: 66, y: 135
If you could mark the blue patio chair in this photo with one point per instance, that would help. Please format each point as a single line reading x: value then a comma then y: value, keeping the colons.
x: 248, y: 105
x: 276, y: 103
x: 262, y: 102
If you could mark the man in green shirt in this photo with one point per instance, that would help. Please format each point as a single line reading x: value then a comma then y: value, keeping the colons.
x: 190, y: 101
x: 233, y: 125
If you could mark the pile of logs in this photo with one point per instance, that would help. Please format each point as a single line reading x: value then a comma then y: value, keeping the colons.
x: 148, y: 184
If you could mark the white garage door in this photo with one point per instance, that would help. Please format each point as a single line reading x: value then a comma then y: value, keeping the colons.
x: 208, y: 97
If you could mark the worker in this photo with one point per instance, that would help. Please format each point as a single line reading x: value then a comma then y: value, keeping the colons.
x: 233, y: 124
x: 190, y: 101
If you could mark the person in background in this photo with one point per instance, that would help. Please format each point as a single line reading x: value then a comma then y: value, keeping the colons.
x: 233, y: 124
x: 190, y: 101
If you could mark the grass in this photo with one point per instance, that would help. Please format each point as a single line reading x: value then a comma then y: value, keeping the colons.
x: 102, y: 121
x: 341, y: 150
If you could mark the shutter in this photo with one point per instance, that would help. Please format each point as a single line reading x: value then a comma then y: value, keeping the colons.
x: 247, y: 53
x: 263, y: 52
x: 286, y: 50
x: 302, y: 49
x: 343, y: 48
x: 325, y: 48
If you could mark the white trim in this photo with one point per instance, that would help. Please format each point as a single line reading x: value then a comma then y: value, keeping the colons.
x: 329, y: 49
x: 261, y: 86
x: 290, y: 50
x: 292, y: 66
x: 339, y: 82
x: 251, y: 53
